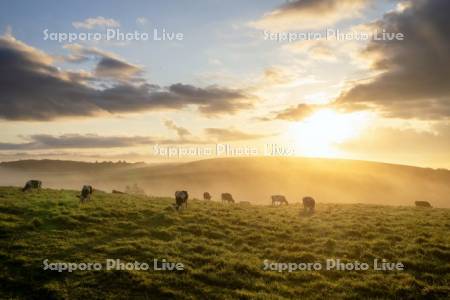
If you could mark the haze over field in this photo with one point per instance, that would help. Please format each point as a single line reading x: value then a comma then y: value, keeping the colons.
x: 249, y: 179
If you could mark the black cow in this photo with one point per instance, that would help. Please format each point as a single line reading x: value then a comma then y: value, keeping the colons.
x: 207, y: 196
x: 309, y: 205
x: 423, y: 204
x: 279, y: 200
x: 227, y: 197
x: 181, y: 198
x: 86, y: 193
x: 31, y: 185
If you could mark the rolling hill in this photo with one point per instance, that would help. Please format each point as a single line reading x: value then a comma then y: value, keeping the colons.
x: 250, y: 179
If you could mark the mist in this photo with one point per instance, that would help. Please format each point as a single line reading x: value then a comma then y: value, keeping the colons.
x: 249, y: 179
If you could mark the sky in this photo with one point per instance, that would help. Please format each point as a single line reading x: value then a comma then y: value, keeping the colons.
x: 225, y: 76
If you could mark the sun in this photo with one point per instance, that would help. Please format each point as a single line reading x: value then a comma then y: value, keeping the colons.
x: 319, y: 134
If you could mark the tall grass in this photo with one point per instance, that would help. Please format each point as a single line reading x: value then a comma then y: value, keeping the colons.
x: 222, y: 247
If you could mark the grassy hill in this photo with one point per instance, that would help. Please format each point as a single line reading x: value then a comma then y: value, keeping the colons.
x: 223, y: 248
x: 250, y: 179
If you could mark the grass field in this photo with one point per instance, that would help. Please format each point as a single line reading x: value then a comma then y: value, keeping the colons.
x: 222, y: 247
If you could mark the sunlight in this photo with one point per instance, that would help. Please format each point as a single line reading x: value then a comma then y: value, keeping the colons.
x: 320, y: 133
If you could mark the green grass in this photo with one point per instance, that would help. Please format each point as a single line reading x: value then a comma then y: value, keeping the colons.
x: 221, y: 246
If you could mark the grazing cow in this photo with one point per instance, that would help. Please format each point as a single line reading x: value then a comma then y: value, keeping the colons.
x: 279, y: 200
x: 227, y: 197
x: 181, y: 197
x: 309, y: 204
x: 31, y: 185
x: 423, y: 204
x: 207, y: 196
x: 86, y: 193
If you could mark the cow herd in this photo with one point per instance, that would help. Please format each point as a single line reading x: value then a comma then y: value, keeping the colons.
x: 181, y: 197
x: 225, y: 197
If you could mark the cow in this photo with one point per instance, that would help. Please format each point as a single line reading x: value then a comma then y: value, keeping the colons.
x: 227, y: 197
x: 279, y: 200
x: 309, y: 205
x: 423, y: 204
x: 207, y: 196
x: 86, y: 193
x: 31, y: 185
x: 181, y: 198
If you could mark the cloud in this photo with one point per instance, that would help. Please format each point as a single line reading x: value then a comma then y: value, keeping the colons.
x: 181, y: 131
x: 32, y: 88
x: 333, y: 50
x: 76, y: 155
x: 67, y: 141
x: 141, y: 20
x: 309, y: 14
x: 231, y: 134
x: 91, y: 23
x: 115, y: 68
x: 91, y: 141
x: 95, y: 141
x: 213, y: 100
x: 108, y: 65
x: 414, y: 74
x: 320, y: 50
x: 294, y: 113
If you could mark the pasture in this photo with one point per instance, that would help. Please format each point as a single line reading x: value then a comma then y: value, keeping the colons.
x: 222, y: 247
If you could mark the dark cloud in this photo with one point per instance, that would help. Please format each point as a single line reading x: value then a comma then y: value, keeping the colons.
x: 67, y: 141
x: 108, y: 65
x: 75, y: 155
x: 115, y: 68
x: 213, y: 99
x: 31, y: 88
x: 415, y: 78
x: 94, y: 141
x: 91, y: 141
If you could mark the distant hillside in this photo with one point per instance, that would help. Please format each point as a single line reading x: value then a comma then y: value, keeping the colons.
x: 47, y: 165
x: 251, y: 179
